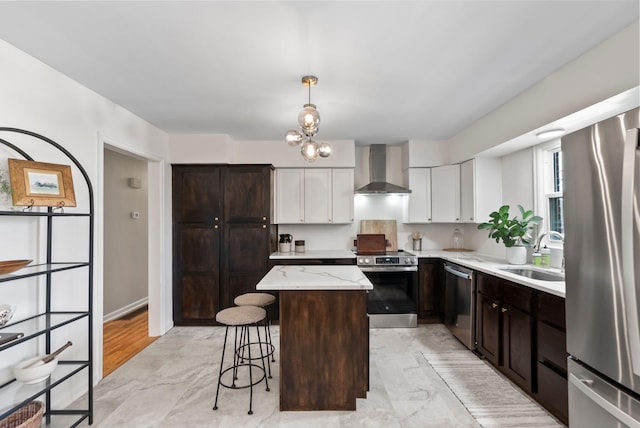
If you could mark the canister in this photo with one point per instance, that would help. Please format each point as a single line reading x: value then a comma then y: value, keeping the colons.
x: 299, y: 246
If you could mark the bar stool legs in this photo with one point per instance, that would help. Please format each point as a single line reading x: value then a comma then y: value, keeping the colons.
x: 261, y: 300
x: 243, y: 318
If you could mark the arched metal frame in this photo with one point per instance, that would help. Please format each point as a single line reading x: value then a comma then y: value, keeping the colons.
x: 47, y: 270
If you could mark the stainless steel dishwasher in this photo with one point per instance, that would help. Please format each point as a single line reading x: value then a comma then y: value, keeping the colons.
x: 460, y: 303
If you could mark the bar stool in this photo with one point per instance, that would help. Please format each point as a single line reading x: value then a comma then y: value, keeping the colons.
x: 261, y: 300
x: 243, y: 317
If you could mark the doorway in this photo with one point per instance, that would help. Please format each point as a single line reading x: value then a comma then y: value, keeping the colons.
x: 125, y: 274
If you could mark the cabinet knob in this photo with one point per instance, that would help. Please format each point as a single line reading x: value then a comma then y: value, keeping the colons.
x: 264, y: 218
x: 504, y: 310
x: 428, y: 219
x: 470, y: 218
x: 457, y: 219
x: 264, y: 226
x: 494, y: 305
x: 215, y: 219
x: 215, y: 226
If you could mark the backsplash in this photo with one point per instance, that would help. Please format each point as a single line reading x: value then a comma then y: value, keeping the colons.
x: 388, y: 207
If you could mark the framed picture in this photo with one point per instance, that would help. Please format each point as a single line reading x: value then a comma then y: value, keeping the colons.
x: 41, y: 184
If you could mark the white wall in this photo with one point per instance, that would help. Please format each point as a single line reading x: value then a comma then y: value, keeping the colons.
x: 605, y: 71
x: 37, y: 98
x: 125, y: 239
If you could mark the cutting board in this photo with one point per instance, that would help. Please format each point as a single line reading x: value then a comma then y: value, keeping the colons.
x: 388, y: 228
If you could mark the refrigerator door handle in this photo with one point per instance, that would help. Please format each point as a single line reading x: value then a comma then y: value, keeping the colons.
x: 586, y: 387
x: 629, y: 194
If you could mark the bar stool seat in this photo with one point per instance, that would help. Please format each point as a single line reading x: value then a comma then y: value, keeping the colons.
x: 242, y: 317
x: 254, y: 299
x: 261, y: 300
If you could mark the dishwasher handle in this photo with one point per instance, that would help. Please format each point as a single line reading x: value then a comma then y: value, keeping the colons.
x: 456, y: 272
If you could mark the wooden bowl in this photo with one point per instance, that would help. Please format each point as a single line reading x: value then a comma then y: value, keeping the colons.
x: 9, y: 266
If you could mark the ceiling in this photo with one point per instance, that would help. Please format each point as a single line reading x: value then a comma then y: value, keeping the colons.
x: 388, y: 71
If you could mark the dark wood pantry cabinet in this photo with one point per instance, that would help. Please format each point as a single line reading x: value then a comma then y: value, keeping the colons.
x: 222, y: 236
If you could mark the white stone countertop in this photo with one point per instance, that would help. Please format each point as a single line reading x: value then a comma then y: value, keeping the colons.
x: 325, y: 277
x: 494, y: 265
x: 315, y: 254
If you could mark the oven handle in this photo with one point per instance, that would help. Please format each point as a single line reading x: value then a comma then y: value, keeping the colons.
x: 458, y: 273
x: 388, y: 269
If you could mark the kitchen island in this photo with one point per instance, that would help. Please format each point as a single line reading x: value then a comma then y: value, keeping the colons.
x: 324, y: 335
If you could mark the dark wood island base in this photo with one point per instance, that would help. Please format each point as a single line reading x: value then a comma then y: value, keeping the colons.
x: 324, y: 349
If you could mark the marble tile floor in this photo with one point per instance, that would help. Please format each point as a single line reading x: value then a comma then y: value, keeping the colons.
x: 172, y: 383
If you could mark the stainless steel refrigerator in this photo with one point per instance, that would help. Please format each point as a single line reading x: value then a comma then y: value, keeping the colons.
x: 601, y: 168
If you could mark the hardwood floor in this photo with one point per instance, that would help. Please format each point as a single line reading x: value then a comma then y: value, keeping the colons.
x: 123, y: 338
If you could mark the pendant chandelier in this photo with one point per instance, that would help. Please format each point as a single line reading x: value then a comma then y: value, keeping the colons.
x: 309, y: 120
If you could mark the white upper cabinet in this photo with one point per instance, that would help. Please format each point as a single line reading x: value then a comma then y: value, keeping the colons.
x: 342, y: 195
x: 417, y: 207
x: 481, y: 188
x: 445, y: 194
x: 290, y: 195
x: 314, y: 195
x: 317, y: 195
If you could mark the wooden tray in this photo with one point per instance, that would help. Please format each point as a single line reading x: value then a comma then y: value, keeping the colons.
x: 9, y: 266
x: 371, y: 243
x: 456, y: 249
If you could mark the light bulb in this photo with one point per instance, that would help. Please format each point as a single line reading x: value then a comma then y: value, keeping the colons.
x: 293, y: 137
x: 324, y: 150
x: 309, y: 150
x: 309, y: 118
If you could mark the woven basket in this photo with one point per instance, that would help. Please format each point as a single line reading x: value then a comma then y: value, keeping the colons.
x: 27, y: 416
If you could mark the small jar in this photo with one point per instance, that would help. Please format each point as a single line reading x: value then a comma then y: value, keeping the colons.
x: 299, y: 246
x: 536, y: 259
x: 545, y: 257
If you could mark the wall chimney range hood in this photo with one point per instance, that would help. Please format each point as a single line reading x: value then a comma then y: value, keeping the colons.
x: 378, y: 184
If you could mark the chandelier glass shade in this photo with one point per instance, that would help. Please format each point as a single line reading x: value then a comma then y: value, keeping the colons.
x: 309, y: 121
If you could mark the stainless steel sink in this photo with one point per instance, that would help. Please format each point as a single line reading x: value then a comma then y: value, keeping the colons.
x: 535, y: 274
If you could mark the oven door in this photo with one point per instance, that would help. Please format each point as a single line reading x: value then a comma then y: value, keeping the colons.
x: 393, y: 301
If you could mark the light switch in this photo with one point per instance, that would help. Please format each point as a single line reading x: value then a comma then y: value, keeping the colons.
x: 135, y: 215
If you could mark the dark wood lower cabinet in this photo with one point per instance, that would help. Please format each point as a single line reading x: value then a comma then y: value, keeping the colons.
x: 552, y: 391
x: 430, y: 291
x: 488, y: 337
x: 505, y: 328
x: 324, y: 349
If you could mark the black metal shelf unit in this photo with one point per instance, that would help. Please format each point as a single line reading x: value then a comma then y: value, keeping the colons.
x: 13, y: 393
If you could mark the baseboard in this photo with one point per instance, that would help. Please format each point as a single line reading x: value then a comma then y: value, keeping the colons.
x: 125, y: 310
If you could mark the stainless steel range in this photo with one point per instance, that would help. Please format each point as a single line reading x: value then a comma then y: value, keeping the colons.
x: 393, y: 302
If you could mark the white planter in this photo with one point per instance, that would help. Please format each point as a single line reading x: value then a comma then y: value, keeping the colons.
x: 517, y: 255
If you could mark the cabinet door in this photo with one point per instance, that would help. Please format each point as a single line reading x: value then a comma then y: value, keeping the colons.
x: 196, y: 270
x: 517, y: 346
x: 431, y: 289
x: 342, y: 195
x: 197, y: 193
x: 467, y: 191
x: 488, y: 329
x: 247, y: 195
x: 245, y: 259
x: 418, y: 202
x: 290, y: 195
x: 317, y: 195
x: 445, y: 194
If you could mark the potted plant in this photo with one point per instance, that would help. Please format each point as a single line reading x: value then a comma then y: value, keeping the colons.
x: 513, y: 232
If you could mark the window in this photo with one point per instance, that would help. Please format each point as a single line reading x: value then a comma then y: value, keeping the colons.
x: 550, y: 189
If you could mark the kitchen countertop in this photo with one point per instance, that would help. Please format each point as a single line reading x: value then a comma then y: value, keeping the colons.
x: 493, y: 265
x: 315, y: 254
x: 325, y: 277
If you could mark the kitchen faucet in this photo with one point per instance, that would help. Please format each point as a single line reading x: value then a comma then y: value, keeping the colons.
x: 536, y: 247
